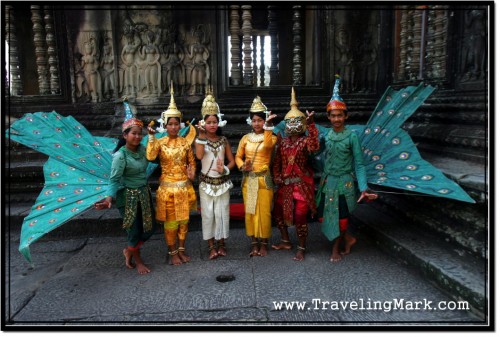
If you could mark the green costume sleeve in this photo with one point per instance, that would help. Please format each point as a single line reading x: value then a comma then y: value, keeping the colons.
x: 359, y: 167
x: 117, y: 168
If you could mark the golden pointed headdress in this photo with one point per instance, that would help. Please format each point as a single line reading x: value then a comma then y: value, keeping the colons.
x: 209, y: 106
x: 257, y: 105
x: 294, y: 111
x: 295, y: 120
x: 172, y: 110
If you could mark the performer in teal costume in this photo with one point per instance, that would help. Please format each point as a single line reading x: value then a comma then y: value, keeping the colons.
x: 77, y: 172
x: 343, y: 162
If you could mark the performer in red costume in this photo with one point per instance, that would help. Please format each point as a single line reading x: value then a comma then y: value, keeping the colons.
x: 294, y: 177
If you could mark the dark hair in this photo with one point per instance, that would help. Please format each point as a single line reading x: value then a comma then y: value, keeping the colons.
x: 219, y: 130
x: 178, y: 119
x: 121, y: 141
x: 260, y: 114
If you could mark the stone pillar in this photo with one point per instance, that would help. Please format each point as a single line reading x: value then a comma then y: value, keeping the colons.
x: 52, y: 52
x: 403, y: 46
x: 40, y: 50
x: 247, y: 48
x: 413, y: 66
x: 262, y: 62
x: 254, y: 59
x: 234, y: 29
x: 298, y: 76
x: 410, y: 35
x: 273, y: 34
x: 14, y: 80
x: 437, y: 36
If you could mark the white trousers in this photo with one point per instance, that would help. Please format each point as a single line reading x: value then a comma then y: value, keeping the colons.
x: 214, y: 215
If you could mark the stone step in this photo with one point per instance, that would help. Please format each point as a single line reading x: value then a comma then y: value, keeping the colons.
x: 461, y: 275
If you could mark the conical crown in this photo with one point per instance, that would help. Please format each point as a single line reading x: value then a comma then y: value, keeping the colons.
x: 172, y: 110
x: 209, y: 106
x: 336, y: 102
x: 257, y: 105
x: 294, y: 111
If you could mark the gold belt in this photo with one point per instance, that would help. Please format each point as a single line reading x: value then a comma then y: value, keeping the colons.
x: 254, y: 174
x: 213, y: 180
x: 176, y: 184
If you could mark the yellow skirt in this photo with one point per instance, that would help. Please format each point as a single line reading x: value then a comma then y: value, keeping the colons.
x: 174, y: 204
x: 259, y: 224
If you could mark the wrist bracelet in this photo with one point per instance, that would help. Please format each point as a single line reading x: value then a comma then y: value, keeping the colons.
x: 151, y: 138
x: 201, y: 141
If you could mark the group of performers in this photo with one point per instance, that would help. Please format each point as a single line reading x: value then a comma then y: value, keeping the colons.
x: 271, y: 163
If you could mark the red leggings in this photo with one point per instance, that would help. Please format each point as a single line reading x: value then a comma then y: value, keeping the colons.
x: 300, y: 210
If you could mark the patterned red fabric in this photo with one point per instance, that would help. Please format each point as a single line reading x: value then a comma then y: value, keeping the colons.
x: 293, y: 175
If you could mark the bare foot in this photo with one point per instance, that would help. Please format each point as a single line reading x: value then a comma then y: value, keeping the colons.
x: 282, y: 246
x: 263, y: 250
x: 213, y: 254
x: 142, y: 269
x: 299, y: 255
x: 175, y: 260
x: 336, y: 257
x: 222, y: 251
x: 184, y: 258
x: 128, y: 258
x: 255, y: 250
x: 348, y: 243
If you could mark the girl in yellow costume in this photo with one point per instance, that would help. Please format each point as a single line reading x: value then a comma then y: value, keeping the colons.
x: 253, y: 158
x: 175, y: 197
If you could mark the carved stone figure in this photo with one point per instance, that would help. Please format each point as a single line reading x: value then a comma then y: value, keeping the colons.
x: 199, y: 68
x: 344, y: 59
x: 367, y: 72
x: 174, y: 68
x: 108, y: 71
x: 474, y: 57
x: 128, y: 74
x: 150, y: 55
x: 90, y: 67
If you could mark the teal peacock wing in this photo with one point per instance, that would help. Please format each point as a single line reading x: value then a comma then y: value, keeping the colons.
x: 391, y: 158
x: 76, y: 173
x: 65, y: 140
x: 67, y: 192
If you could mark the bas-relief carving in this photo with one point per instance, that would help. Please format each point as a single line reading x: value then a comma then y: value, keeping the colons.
x: 87, y: 67
x: 473, y: 53
x: 344, y: 58
x: 150, y: 55
x: 356, y: 51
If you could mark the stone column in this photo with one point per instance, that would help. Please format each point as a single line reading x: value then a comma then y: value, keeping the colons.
x: 40, y: 50
x: 413, y: 64
x: 437, y: 37
x: 262, y: 62
x: 273, y: 34
x: 247, y: 48
x: 14, y: 80
x: 403, y: 45
x: 52, y: 52
x: 234, y: 29
x: 298, y: 76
